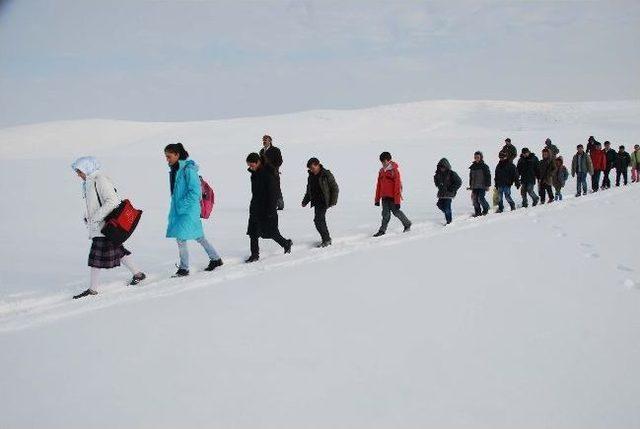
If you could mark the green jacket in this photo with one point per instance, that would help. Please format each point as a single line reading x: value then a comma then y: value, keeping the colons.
x: 635, y: 159
x: 328, y: 187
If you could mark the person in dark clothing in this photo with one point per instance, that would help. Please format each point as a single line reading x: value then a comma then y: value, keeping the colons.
x: 506, y: 175
x: 553, y: 149
x: 610, y: 155
x: 581, y: 166
x: 509, y: 149
x: 263, y: 213
x: 271, y: 155
x: 623, y: 160
x: 528, y: 171
x: 560, y: 177
x: 322, y: 193
x: 591, y: 144
x: 448, y: 182
x: 546, y: 171
x: 479, y: 184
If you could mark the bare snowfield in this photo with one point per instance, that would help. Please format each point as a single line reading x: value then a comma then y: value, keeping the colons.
x: 516, y: 320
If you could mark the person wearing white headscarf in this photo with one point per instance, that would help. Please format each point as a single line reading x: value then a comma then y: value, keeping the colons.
x: 101, y: 198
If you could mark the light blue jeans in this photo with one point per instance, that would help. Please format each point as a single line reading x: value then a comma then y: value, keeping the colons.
x: 183, y: 250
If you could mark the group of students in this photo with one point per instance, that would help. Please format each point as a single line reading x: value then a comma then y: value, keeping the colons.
x: 184, y: 221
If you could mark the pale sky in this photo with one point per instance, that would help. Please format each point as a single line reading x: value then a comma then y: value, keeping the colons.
x: 194, y: 60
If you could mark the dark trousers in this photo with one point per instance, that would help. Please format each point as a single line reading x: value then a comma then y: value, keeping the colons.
x: 581, y: 183
x: 389, y: 207
x: 255, y: 247
x: 622, y: 173
x: 606, y: 182
x: 595, y: 180
x: 320, y: 220
x: 444, y: 204
x: 478, y: 199
x: 545, y: 189
x: 528, y: 189
x: 505, y: 194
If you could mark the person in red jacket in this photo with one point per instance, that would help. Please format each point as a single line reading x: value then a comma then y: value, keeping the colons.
x: 599, y: 161
x: 389, y: 191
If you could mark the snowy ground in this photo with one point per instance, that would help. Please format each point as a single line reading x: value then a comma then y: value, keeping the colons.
x: 526, y: 319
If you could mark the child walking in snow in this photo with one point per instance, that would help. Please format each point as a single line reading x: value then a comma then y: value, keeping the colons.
x: 101, y: 199
x: 560, y: 178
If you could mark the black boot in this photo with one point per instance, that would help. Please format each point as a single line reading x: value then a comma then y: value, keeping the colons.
x: 513, y: 206
x: 137, y: 278
x: 213, y: 264
x: 287, y: 246
x: 181, y: 273
x: 407, y: 228
x: 252, y: 258
x: 325, y: 243
x: 85, y: 293
x: 379, y: 234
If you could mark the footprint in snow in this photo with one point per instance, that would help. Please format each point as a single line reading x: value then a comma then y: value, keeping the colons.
x: 621, y: 267
x: 630, y: 284
x: 561, y: 234
x: 591, y: 255
x: 586, y: 245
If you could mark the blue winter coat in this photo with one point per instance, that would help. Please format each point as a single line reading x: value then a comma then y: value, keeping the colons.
x: 184, y: 214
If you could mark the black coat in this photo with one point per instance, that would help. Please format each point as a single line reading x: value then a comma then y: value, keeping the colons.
x: 263, y: 213
x: 506, y: 174
x: 326, y: 191
x: 623, y: 160
x: 448, y: 182
x: 479, y: 175
x: 510, y: 150
x: 528, y: 169
x: 272, y: 156
x: 611, y: 158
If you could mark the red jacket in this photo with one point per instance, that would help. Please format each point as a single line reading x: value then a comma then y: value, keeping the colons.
x: 389, y: 184
x: 599, y: 159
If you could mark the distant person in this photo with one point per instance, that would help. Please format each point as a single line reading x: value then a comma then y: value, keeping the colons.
x: 599, y: 161
x: 479, y: 184
x: 623, y: 161
x: 184, y: 214
x: 263, y: 212
x: 553, y: 149
x: 100, y: 199
x: 527, y: 168
x: 560, y: 177
x: 581, y: 166
x: 546, y: 171
x: 591, y: 144
x: 448, y: 182
x: 505, y: 177
x: 272, y: 156
x: 322, y: 193
x: 610, y: 157
x: 509, y: 149
x: 635, y: 164
x: 389, y: 191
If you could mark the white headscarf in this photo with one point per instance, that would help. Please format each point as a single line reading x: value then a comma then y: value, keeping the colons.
x: 87, y: 164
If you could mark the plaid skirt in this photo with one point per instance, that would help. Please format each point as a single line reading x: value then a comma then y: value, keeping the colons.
x: 104, y: 254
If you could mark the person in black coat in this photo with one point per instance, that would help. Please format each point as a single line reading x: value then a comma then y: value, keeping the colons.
x: 610, y: 154
x: 623, y: 160
x: 479, y: 183
x: 528, y: 171
x: 272, y: 156
x: 505, y: 176
x: 322, y: 193
x: 263, y: 212
x: 448, y: 182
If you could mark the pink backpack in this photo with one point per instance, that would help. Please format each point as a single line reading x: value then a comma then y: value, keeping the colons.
x: 208, y: 199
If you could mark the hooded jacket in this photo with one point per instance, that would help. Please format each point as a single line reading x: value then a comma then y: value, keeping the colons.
x: 184, y: 214
x: 546, y: 170
x: 623, y: 160
x: 528, y: 169
x: 561, y: 175
x: 389, y: 184
x: 506, y: 174
x: 448, y: 182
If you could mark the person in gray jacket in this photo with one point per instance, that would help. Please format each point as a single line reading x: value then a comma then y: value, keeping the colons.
x: 322, y: 193
x: 581, y: 165
x: 479, y: 184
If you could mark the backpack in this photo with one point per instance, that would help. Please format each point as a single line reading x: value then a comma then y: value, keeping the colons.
x: 207, y: 201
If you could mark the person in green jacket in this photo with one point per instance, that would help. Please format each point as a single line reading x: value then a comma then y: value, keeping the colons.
x: 322, y: 193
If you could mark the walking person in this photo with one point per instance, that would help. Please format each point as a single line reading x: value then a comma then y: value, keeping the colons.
x: 505, y: 176
x: 509, y: 149
x: 527, y: 168
x: 272, y: 156
x: 100, y: 199
x: 184, y: 221
x: 479, y: 184
x: 623, y: 161
x: 581, y: 166
x: 599, y: 161
x: 635, y: 164
x: 560, y: 177
x: 546, y: 171
x: 448, y: 182
x: 610, y: 158
x: 263, y: 211
x: 553, y: 149
x: 322, y: 193
x: 389, y: 191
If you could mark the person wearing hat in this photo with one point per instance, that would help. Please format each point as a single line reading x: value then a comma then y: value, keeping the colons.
x: 322, y: 193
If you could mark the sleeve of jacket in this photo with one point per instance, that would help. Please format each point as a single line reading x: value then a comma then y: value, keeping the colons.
x: 589, y: 165
x: 276, y: 158
x: 377, y: 197
x: 108, y: 197
x: 307, y: 195
x: 487, y: 175
x: 457, y: 181
x: 574, y: 161
x: 193, y: 191
x: 272, y: 194
x: 397, y: 191
x: 334, y: 189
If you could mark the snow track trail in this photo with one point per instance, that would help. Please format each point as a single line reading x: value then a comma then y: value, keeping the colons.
x: 20, y: 312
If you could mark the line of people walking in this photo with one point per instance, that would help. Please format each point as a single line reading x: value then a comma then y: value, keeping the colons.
x: 187, y: 193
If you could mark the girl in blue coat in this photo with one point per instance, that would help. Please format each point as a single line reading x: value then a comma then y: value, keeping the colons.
x: 184, y: 214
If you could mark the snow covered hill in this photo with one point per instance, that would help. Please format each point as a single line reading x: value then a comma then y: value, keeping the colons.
x: 525, y: 319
